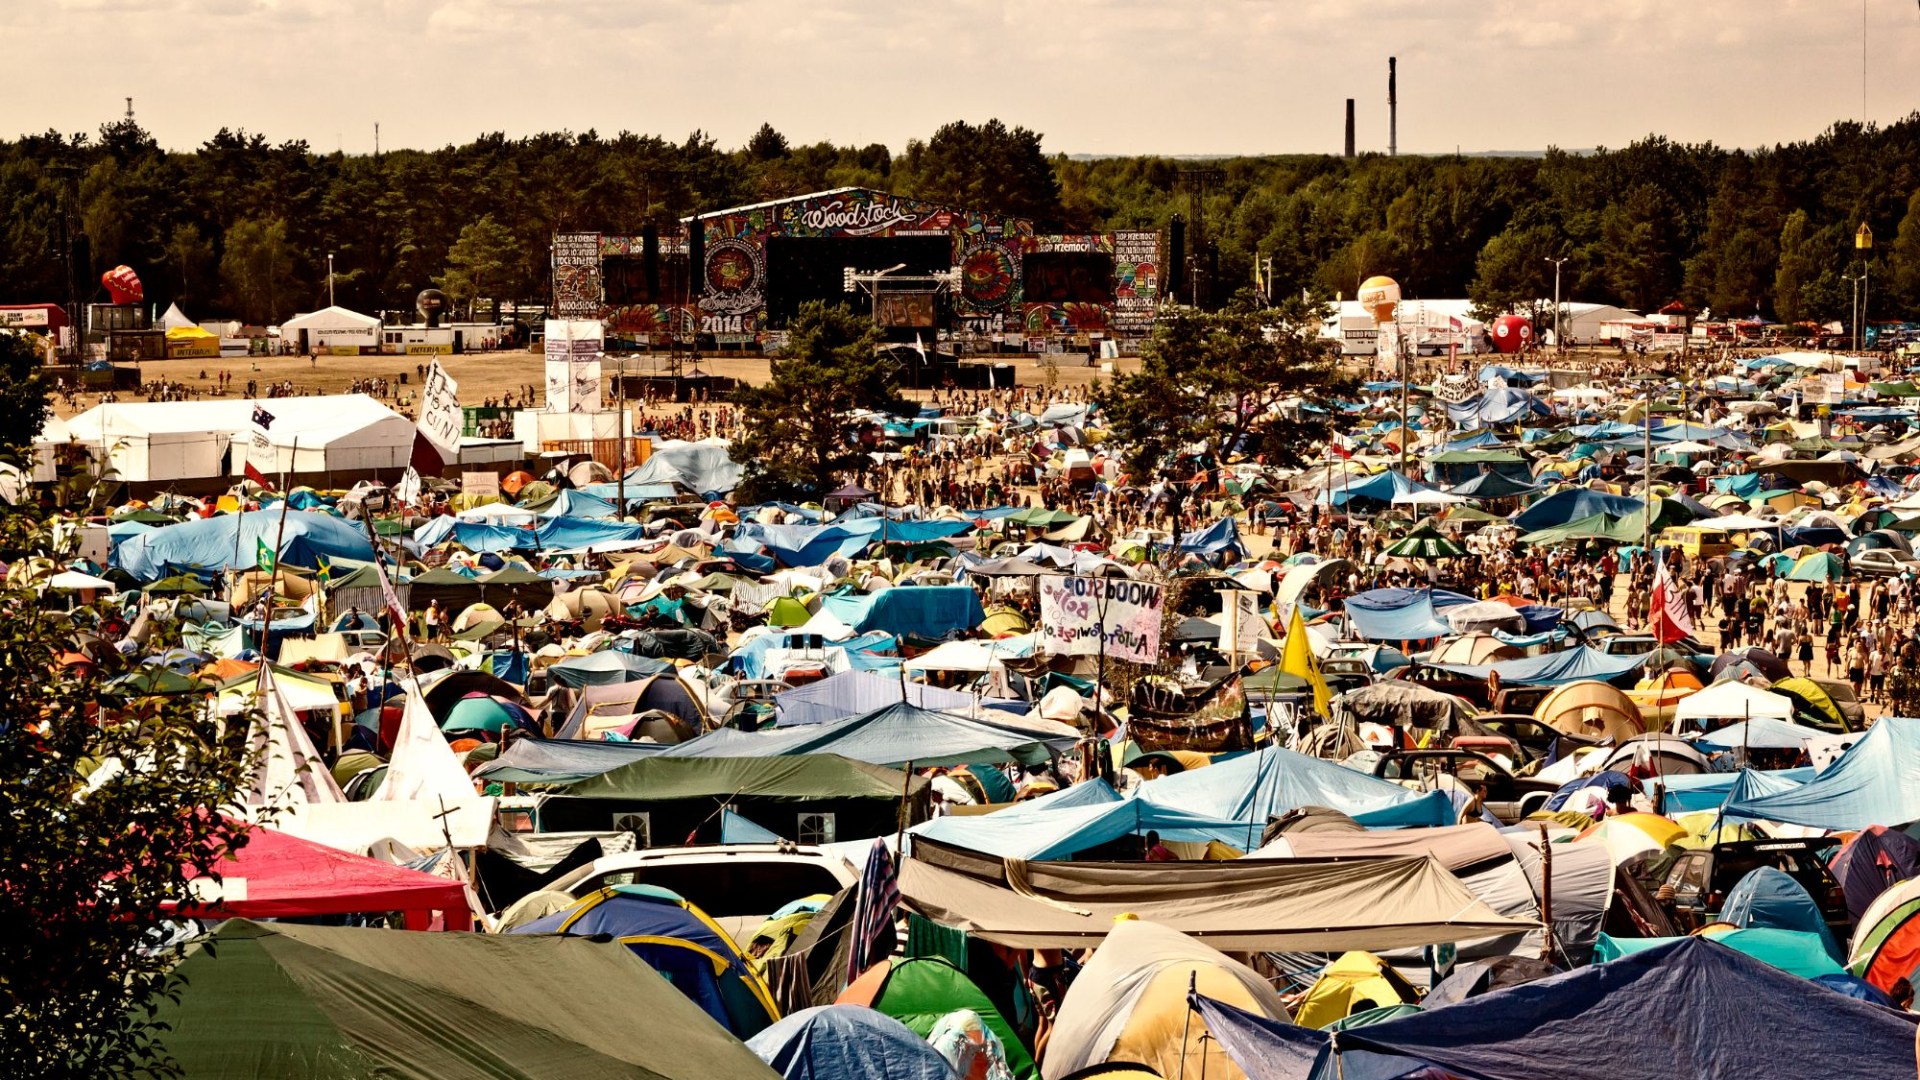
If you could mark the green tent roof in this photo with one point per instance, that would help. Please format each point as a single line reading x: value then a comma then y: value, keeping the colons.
x: 801, y: 776
x: 920, y: 990
x: 1592, y: 527
x: 320, y: 1003
x: 1478, y: 457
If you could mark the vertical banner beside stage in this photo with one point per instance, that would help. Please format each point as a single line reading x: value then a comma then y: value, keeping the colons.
x: 1078, y: 614
x: 573, y: 350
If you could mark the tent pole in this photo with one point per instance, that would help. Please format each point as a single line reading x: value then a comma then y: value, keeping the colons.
x: 1186, y: 1029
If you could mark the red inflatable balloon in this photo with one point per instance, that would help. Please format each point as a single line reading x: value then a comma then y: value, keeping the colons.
x: 1511, y: 333
x: 123, y: 285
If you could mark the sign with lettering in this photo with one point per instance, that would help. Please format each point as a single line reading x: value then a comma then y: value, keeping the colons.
x: 855, y: 218
x: 1085, y: 616
x: 440, y: 418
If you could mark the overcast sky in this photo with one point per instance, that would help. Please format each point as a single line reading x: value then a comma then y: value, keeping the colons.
x: 1094, y: 76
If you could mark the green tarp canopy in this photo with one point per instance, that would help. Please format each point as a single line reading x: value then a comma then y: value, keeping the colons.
x: 1039, y: 517
x: 1478, y: 457
x: 339, y: 1003
x: 1591, y: 527
x: 1896, y: 389
x: 802, y: 776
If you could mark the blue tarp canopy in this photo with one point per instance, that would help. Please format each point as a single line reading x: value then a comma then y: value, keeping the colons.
x: 1707, y: 791
x: 1692, y: 1008
x: 581, y: 504
x: 1580, y: 664
x: 924, y: 611
x: 704, y: 468
x: 736, y: 829
x: 1508, y: 406
x: 212, y: 543
x: 1265, y: 1049
x: 812, y: 545
x: 533, y: 760
x: 1054, y: 827
x: 605, y: 668
x: 1380, y: 487
x: 848, y: 1042
x: 1399, y: 614
x: 1876, y: 782
x: 1493, y: 485
x: 1571, y: 505
x: 1760, y: 733
x: 1252, y: 788
x: 1222, y: 535
x: 893, y: 735
x: 851, y: 693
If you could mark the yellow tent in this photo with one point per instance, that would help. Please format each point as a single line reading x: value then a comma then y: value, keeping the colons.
x: 1591, y: 709
x: 184, y: 342
x: 1356, y: 982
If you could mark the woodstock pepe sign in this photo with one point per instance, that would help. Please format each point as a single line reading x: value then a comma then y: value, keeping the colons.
x: 1084, y: 616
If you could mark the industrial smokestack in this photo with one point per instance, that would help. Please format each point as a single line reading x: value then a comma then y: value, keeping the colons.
x: 1393, y: 107
x: 1349, y: 127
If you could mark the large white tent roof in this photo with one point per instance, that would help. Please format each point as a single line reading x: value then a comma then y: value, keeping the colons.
x: 315, y: 421
x: 330, y: 318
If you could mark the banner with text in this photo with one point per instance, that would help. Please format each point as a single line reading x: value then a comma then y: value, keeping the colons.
x: 1078, y: 614
x: 441, y: 420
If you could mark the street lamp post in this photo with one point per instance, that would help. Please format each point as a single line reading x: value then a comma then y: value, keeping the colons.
x: 1862, y: 250
x: 1559, y: 334
x: 329, y: 279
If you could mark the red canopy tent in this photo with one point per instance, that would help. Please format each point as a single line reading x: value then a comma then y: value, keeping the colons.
x: 279, y: 876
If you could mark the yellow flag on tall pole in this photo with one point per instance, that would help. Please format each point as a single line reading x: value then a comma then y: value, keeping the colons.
x: 1297, y: 659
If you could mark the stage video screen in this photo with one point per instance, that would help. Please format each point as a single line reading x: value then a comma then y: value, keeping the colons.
x: 626, y: 281
x: 802, y: 269
x: 1068, y: 277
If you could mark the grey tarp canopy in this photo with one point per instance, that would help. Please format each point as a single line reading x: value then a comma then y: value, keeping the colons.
x: 1237, y: 906
x: 1399, y: 703
x: 320, y: 1003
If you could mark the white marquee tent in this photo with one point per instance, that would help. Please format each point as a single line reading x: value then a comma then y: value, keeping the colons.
x: 155, y: 442
x: 329, y: 327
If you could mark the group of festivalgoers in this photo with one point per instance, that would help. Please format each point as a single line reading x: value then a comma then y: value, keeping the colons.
x: 1483, y: 718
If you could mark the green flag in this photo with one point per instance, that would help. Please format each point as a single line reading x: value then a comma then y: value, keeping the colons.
x: 263, y: 555
x: 323, y: 570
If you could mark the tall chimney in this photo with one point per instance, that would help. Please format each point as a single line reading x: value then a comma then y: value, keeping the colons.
x: 1393, y: 108
x: 1349, y: 127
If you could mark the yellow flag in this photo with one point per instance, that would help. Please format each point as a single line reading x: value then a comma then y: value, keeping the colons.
x: 1297, y: 659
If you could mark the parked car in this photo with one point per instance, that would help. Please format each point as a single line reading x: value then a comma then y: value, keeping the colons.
x: 1702, y: 878
x: 739, y: 885
x: 1884, y: 562
x: 1510, y: 798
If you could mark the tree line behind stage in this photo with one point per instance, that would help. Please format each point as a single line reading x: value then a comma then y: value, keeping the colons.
x: 240, y: 226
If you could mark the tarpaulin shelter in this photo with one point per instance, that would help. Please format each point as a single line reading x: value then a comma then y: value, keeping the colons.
x: 1255, y: 787
x: 847, y: 1042
x: 1792, y: 951
x: 1129, y: 1004
x: 929, y: 612
x: 918, y: 991
x: 319, y: 1002
x: 898, y: 735
x: 1621, y: 1020
x: 1577, y: 664
x: 534, y: 760
x: 1873, y: 861
x: 277, y: 876
x: 1071, y: 820
x: 681, y: 796
x: 1395, y: 615
x: 680, y: 942
x: 1876, y: 782
x: 1264, y: 1048
x: 1237, y: 905
x: 1572, y: 505
x: 1353, y: 982
x: 231, y: 542
x: 851, y: 693
x: 608, y: 667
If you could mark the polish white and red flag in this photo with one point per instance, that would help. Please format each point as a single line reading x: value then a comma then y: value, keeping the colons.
x: 1669, y: 611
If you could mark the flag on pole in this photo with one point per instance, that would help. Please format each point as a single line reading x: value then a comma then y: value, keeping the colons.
x: 1669, y: 615
x: 1297, y: 660
x: 263, y: 556
x: 323, y: 569
x: 259, y: 447
x: 394, y: 606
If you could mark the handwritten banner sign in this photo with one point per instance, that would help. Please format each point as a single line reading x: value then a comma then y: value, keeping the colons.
x: 441, y: 420
x: 1078, y: 615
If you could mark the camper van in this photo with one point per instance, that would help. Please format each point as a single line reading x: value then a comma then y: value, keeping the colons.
x: 1695, y: 543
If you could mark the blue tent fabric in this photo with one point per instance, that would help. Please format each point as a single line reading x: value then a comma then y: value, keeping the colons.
x: 1692, y: 1008
x: 534, y: 760
x: 1493, y: 485
x: 1395, y: 615
x: 211, y: 544
x: 1572, y: 505
x: 1252, y: 788
x: 1709, y: 791
x: 848, y: 1042
x: 1766, y: 897
x: 1760, y: 733
x: 736, y: 829
x: 850, y: 693
x: 1221, y: 536
x: 576, y: 503
x: 1380, y: 487
x: 1876, y: 782
x: 924, y: 611
x: 607, y: 667
x: 1075, y: 819
x: 1580, y: 664
x: 1497, y: 407
x: 812, y: 545
x: 1264, y: 1048
x: 509, y: 665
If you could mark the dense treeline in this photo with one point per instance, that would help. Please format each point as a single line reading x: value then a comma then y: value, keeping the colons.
x: 242, y: 226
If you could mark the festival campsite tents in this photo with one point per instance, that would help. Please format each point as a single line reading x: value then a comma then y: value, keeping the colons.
x: 1129, y: 1004
x: 1742, y: 1017
x: 319, y: 1002
x: 1872, y: 862
x: 1256, y: 787
x: 918, y: 991
x: 1886, y: 943
x: 1354, y: 982
x: 1876, y: 782
x: 1768, y: 898
x: 278, y: 876
x: 848, y: 1042
x: 231, y: 542
x: 677, y: 940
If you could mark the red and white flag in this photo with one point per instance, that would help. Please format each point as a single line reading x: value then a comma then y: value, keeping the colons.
x: 1669, y: 614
